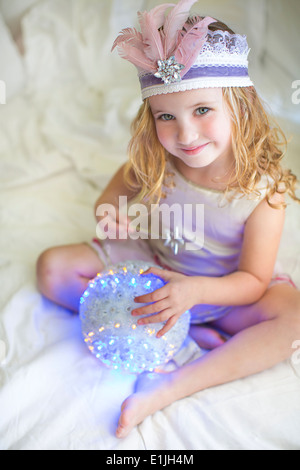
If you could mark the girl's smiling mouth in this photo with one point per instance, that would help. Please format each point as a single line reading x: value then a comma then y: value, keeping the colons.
x: 194, y: 150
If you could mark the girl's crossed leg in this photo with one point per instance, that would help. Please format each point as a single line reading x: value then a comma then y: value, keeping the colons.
x: 63, y: 273
x: 262, y: 336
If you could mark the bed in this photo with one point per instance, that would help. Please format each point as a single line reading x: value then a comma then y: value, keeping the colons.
x: 63, y: 132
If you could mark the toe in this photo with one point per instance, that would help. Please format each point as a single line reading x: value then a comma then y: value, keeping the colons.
x: 124, y: 428
x: 120, y: 432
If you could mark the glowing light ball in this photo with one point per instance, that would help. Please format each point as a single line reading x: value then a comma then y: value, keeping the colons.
x: 112, y: 333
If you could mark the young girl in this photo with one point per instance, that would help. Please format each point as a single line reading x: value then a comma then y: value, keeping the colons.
x: 200, y: 137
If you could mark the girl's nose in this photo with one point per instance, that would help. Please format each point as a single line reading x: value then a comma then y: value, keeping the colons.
x: 187, y: 133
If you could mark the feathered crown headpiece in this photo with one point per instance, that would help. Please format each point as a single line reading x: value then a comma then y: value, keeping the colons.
x: 174, y: 54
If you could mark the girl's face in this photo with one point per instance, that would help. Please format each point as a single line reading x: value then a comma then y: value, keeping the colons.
x: 194, y: 126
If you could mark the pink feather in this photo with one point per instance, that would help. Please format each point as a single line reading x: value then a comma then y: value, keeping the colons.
x: 151, y: 37
x: 136, y: 57
x: 129, y: 35
x: 192, y: 43
x: 150, y: 24
x: 145, y: 48
x: 174, y: 22
x: 158, y: 13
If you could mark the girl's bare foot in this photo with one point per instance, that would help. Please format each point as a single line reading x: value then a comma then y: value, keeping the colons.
x: 151, y: 390
x: 150, y: 396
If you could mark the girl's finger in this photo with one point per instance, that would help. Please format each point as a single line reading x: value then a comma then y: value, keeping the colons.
x: 123, y: 219
x: 122, y: 224
x: 158, y: 318
x: 155, y: 296
x: 162, y: 273
x: 170, y: 323
x: 151, y: 309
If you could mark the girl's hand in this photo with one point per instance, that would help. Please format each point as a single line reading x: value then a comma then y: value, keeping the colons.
x: 167, y: 303
x: 112, y: 224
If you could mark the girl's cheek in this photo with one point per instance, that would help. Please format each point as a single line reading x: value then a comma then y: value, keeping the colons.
x: 218, y: 129
x: 163, y: 135
x: 210, y: 128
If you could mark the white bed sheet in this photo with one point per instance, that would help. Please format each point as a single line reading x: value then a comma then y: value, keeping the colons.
x: 57, y: 151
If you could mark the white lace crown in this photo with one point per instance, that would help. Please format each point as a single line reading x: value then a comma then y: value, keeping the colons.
x: 224, y: 49
x: 222, y: 62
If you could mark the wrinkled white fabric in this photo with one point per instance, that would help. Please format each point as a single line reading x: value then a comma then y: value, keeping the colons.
x: 12, y: 73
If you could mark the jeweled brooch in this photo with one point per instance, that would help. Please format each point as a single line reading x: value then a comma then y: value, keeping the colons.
x: 169, y: 70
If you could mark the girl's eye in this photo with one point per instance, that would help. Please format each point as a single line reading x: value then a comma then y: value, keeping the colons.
x: 202, y: 111
x: 166, y: 117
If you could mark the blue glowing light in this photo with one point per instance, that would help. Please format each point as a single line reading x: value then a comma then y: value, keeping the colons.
x: 132, y: 282
x: 111, y: 332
